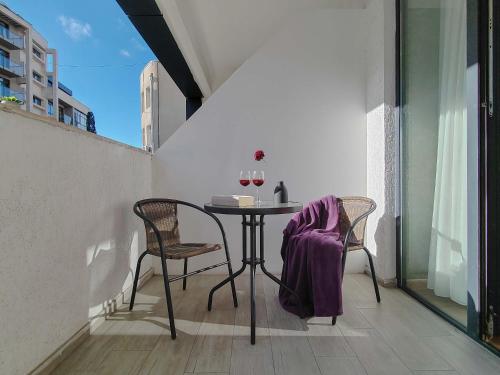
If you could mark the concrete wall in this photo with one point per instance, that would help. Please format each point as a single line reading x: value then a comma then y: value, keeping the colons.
x: 226, y: 33
x: 68, y: 238
x: 170, y: 104
x: 301, y: 98
x: 382, y: 136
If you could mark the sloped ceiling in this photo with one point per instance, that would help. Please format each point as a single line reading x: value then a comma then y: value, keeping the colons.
x: 225, y: 33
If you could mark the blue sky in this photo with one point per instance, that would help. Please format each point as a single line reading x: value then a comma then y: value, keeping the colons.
x: 88, y: 33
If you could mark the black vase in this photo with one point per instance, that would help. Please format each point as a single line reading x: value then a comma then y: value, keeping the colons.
x: 280, y: 193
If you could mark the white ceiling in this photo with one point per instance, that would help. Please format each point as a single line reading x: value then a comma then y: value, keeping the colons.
x: 225, y: 33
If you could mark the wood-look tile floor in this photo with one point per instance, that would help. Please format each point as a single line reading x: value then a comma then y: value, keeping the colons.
x: 398, y: 336
x: 453, y: 309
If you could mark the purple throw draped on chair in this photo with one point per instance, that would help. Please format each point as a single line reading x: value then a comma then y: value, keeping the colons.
x: 312, y: 256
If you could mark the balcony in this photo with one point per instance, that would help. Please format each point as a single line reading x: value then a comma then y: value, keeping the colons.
x: 318, y: 94
x: 66, y: 119
x: 7, y: 91
x: 10, y: 68
x: 10, y: 39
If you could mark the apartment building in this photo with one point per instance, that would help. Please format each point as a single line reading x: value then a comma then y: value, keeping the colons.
x: 155, y: 82
x: 28, y: 71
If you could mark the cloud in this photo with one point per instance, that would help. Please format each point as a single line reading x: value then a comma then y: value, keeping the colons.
x: 137, y: 44
x: 124, y: 53
x: 74, y: 28
x: 120, y: 23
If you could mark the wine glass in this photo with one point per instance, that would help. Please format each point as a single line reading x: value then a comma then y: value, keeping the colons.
x: 245, y: 177
x: 258, y: 180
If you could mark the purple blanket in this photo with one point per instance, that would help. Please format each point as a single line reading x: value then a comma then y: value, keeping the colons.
x: 312, y: 260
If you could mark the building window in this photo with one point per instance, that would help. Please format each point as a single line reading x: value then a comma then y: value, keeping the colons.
x: 37, y: 100
x: 37, y: 77
x: 4, y: 87
x: 148, y: 97
x: 142, y: 101
x: 4, y: 58
x: 50, y: 107
x: 80, y: 119
x: 4, y: 30
x: 37, y: 53
x: 61, y: 114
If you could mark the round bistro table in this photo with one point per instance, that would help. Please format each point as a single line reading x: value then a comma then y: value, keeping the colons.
x: 264, y: 208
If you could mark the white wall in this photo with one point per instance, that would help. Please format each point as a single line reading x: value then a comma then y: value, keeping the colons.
x: 382, y: 141
x: 170, y: 104
x: 226, y: 33
x: 301, y: 98
x: 68, y: 238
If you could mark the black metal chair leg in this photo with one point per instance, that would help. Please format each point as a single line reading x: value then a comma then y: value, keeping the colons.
x: 136, y: 279
x: 168, y: 296
x: 374, y: 277
x: 334, y: 320
x: 344, y: 258
x: 184, y: 281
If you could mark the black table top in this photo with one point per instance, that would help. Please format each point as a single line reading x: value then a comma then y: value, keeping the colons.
x: 264, y: 208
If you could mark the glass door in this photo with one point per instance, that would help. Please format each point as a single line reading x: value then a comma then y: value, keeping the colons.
x: 438, y: 156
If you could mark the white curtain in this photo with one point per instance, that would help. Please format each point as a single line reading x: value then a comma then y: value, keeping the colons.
x: 448, y: 247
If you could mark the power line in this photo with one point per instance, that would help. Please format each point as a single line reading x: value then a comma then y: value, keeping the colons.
x: 100, y: 66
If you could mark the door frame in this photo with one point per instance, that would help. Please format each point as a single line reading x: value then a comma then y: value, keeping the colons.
x: 490, y: 158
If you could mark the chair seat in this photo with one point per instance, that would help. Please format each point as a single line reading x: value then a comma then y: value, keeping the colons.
x: 355, y: 245
x: 186, y: 250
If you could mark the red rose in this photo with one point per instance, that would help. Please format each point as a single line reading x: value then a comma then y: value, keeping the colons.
x: 259, y: 155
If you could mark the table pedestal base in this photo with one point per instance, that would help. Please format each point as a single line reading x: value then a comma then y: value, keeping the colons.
x: 252, y: 261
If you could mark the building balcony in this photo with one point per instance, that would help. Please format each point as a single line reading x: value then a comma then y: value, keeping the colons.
x: 10, y: 68
x: 66, y: 119
x: 7, y: 91
x: 10, y: 39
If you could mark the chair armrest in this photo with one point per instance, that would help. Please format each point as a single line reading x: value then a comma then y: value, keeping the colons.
x: 201, y: 209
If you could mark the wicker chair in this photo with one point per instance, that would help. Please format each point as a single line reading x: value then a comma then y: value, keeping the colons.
x: 353, y: 213
x: 163, y: 240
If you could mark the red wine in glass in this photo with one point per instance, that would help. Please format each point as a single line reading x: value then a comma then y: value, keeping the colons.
x: 258, y: 181
x: 245, y: 177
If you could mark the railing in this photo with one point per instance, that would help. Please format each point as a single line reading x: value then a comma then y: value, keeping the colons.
x: 7, y: 91
x: 64, y: 88
x: 12, y: 37
x: 80, y: 125
x: 80, y: 120
x: 8, y: 64
x: 68, y: 120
